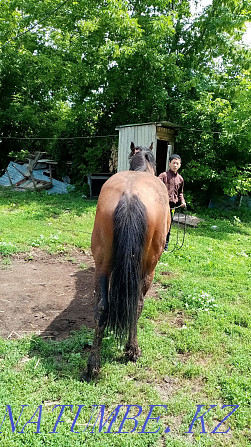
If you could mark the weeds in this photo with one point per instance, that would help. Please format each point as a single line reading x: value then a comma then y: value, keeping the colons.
x: 195, y: 338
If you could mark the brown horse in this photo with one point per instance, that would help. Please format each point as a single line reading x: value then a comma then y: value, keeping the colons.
x: 131, y: 224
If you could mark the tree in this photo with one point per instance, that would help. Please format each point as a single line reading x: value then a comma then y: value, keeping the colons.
x: 78, y: 69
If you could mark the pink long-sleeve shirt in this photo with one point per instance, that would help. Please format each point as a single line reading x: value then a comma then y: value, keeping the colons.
x: 175, y: 184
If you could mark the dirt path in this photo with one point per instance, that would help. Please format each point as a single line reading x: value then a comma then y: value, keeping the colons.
x: 47, y: 294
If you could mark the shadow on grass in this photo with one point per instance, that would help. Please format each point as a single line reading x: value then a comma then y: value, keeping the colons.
x: 80, y: 311
x: 63, y: 347
x: 218, y: 224
x: 220, y: 231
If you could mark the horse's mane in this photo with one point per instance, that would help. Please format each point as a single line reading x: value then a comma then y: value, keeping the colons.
x: 138, y: 161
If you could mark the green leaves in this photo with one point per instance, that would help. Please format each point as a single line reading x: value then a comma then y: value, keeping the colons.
x: 74, y: 69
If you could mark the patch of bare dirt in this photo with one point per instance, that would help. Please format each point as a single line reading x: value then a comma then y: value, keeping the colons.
x: 49, y: 295
x: 178, y: 320
x: 168, y: 387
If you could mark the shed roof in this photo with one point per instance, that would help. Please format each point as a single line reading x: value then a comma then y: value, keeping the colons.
x: 157, y: 123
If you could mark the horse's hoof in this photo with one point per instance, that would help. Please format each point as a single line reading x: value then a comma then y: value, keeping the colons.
x: 133, y: 354
x: 88, y: 376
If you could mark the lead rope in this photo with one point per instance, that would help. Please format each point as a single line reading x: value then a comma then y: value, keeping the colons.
x: 184, y: 233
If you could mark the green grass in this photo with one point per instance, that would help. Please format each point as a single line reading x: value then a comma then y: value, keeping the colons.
x: 195, y: 338
x: 50, y: 222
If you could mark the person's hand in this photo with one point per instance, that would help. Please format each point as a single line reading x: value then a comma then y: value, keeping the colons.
x: 183, y: 205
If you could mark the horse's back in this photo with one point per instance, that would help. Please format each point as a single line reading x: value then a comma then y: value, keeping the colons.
x: 151, y: 192
x: 143, y: 184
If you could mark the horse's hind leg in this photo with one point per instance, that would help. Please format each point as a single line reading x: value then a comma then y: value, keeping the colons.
x: 132, y: 349
x: 147, y: 281
x: 101, y: 290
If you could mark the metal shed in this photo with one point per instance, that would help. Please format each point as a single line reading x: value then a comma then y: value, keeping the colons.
x: 162, y: 134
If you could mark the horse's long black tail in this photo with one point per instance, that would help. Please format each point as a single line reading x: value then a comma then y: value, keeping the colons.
x: 130, y: 227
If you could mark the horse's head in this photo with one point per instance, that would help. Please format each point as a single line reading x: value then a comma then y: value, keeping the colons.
x: 135, y: 149
x: 142, y: 159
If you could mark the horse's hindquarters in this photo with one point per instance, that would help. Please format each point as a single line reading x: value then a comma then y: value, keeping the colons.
x: 128, y: 238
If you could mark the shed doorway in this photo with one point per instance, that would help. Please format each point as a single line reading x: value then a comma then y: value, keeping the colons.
x: 162, y: 155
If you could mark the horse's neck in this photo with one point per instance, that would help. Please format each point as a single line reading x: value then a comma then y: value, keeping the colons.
x: 150, y: 168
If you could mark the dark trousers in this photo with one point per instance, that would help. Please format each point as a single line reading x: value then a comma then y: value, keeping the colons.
x: 172, y: 206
